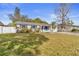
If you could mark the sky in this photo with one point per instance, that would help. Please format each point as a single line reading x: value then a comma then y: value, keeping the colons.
x: 45, y: 11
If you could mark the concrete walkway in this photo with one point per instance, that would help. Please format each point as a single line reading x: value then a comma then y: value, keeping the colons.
x: 69, y: 33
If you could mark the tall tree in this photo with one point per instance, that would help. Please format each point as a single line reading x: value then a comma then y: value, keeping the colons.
x: 69, y: 22
x: 53, y: 24
x: 62, y: 14
x: 17, y: 16
x: 17, y: 13
x: 24, y: 18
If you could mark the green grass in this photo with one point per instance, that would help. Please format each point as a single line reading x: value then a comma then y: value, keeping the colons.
x: 60, y: 45
x: 20, y: 44
x: 45, y: 44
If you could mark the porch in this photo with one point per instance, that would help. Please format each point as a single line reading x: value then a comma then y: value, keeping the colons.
x: 35, y: 27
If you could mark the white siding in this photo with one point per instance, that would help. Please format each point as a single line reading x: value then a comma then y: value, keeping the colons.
x: 38, y: 26
x: 7, y: 29
x: 29, y: 26
x: 1, y: 29
x: 55, y: 30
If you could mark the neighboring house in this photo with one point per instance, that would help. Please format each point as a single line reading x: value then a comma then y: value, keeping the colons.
x: 7, y: 29
x: 67, y: 28
x: 75, y: 27
x: 42, y: 27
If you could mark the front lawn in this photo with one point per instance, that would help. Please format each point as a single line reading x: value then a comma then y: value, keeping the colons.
x: 47, y: 44
x: 60, y: 44
x: 20, y: 44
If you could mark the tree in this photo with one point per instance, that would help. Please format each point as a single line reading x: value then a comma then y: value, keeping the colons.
x: 17, y: 17
x: 1, y: 24
x: 38, y: 20
x: 62, y: 14
x: 17, y: 13
x: 53, y: 24
x: 69, y: 22
x: 25, y: 18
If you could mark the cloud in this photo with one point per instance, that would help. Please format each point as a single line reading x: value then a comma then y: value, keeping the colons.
x: 4, y: 16
x: 4, y: 19
x: 53, y: 16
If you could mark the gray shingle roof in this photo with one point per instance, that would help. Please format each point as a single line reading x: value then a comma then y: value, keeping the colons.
x: 31, y: 23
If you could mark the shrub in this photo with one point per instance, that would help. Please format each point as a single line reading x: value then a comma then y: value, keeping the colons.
x: 25, y: 30
x: 37, y: 30
x: 75, y: 30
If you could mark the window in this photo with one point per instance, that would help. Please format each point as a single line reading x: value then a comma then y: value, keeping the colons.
x: 33, y: 26
x: 23, y: 26
x: 46, y: 27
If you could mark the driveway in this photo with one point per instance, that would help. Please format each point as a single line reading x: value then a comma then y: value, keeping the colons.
x: 70, y: 33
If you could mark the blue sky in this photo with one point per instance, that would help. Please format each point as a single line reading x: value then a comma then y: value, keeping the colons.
x: 33, y: 10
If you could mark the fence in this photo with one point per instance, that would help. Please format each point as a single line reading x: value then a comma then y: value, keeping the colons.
x: 4, y: 29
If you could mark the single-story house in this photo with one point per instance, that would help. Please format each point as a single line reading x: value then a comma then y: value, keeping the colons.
x: 42, y: 27
x: 67, y: 28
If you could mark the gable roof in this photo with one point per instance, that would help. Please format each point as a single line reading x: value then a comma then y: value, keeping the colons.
x: 32, y: 23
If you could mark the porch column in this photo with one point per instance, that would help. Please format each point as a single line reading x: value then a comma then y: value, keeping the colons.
x: 41, y: 28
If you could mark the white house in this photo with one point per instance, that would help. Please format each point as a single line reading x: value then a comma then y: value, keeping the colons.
x: 42, y: 27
